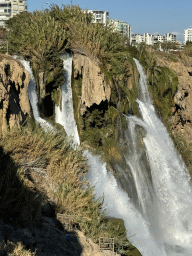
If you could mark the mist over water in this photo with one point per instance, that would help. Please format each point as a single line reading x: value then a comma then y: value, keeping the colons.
x: 161, y: 225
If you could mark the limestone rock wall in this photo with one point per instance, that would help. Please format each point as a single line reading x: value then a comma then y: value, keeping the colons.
x: 14, y: 102
x: 94, y: 87
x: 182, y: 111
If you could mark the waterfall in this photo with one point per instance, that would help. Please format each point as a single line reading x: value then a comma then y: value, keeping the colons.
x: 33, y: 97
x: 116, y: 201
x: 65, y: 116
x: 170, y: 179
x: 118, y: 205
x: 161, y: 223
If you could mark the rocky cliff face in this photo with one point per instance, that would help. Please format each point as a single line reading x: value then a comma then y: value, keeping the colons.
x: 14, y: 102
x: 182, y: 111
x: 94, y: 87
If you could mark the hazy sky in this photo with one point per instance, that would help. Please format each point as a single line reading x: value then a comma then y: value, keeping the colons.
x: 152, y: 16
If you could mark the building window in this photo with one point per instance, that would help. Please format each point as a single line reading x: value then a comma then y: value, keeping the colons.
x: 4, y: 5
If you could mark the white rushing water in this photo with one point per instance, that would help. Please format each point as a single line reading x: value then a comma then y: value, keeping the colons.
x: 118, y: 205
x: 65, y: 115
x: 33, y: 97
x: 163, y: 225
x: 170, y: 180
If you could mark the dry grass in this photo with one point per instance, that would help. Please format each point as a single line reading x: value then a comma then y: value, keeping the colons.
x: 64, y: 167
x: 11, y: 249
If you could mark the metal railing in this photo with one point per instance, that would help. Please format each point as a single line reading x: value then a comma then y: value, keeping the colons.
x: 106, y: 244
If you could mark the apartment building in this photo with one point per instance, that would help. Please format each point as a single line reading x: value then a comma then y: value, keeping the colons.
x: 122, y: 27
x: 159, y: 38
x: 100, y: 17
x: 148, y: 39
x: 170, y: 38
x: 145, y: 38
x: 137, y: 39
x: 187, y: 35
x: 10, y: 8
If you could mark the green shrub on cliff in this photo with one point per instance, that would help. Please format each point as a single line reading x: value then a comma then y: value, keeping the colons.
x: 163, y: 82
x: 39, y: 38
x: 163, y: 90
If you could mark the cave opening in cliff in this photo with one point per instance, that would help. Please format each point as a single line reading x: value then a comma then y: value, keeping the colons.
x: 46, y: 106
x: 95, y: 115
x: 102, y: 106
x: 7, y: 70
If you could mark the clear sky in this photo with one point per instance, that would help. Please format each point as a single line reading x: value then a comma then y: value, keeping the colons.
x: 152, y: 16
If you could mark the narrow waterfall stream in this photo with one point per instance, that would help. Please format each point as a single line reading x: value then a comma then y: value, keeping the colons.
x: 162, y: 225
x: 65, y: 115
x: 33, y: 97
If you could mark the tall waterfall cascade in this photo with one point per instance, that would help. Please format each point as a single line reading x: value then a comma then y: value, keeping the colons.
x: 162, y: 224
x: 65, y: 115
x: 170, y: 180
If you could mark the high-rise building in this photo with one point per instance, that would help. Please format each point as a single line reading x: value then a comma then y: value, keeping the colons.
x: 100, y: 16
x: 10, y: 8
x: 187, y: 35
x: 122, y: 27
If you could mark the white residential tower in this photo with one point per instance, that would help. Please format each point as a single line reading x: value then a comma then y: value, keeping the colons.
x: 100, y: 16
x: 9, y: 8
x: 188, y: 35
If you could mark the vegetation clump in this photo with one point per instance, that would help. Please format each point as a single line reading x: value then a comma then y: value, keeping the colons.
x: 12, y: 249
x: 42, y: 35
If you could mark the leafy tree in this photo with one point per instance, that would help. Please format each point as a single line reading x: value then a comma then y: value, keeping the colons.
x: 188, y: 43
x: 167, y: 46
